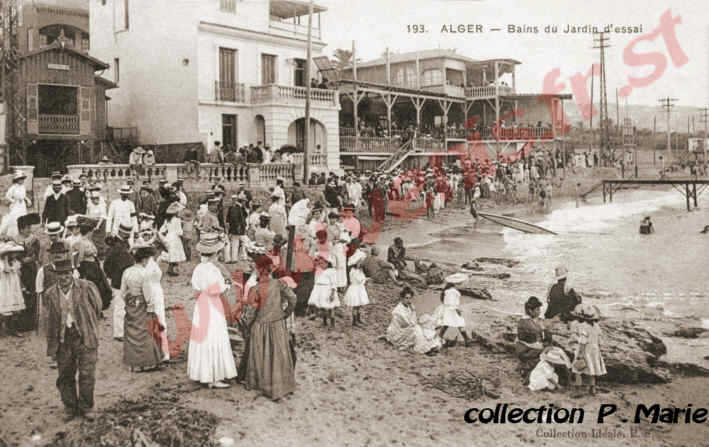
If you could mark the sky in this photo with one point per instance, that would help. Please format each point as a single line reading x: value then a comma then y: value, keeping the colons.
x: 377, y: 24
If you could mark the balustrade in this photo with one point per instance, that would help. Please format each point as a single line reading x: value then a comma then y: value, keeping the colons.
x: 292, y: 95
x: 59, y: 124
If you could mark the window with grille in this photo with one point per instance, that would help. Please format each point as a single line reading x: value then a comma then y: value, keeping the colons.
x: 227, y: 6
x: 268, y: 69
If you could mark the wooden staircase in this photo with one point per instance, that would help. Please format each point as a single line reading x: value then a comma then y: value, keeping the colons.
x: 397, y: 157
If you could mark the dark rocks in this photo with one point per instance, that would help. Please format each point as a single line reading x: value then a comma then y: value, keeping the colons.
x: 687, y: 332
x: 500, y: 261
x: 631, y: 353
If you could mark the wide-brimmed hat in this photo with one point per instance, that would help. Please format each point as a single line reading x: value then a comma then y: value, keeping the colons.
x: 560, y: 272
x: 209, y: 243
x: 555, y: 356
x: 86, y: 222
x: 66, y: 179
x: 56, y: 182
x: 213, y: 199
x: 57, y: 175
x: 124, y: 230
x: 264, y: 216
x: 174, y: 208
x: 95, y: 194
x: 456, y: 278
x: 76, y: 182
x: 532, y: 303
x: 28, y: 220
x: 587, y: 312
x: 139, y: 150
x: 10, y: 247
x: 62, y: 266
x: 162, y: 181
x: 71, y: 221
x: 18, y: 175
x: 105, y: 159
x: 53, y: 228
x: 146, y: 216
x: 125, y: 189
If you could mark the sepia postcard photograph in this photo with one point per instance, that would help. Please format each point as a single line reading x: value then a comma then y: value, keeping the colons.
x: 365, y: 223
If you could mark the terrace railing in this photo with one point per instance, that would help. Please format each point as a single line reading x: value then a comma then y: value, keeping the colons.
x: 232, y: 92
x: 283, y: 94
x: 59, y: 124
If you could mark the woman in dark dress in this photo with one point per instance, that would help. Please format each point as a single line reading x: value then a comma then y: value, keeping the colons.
x: 531, y: 335
x: 28, y: 272
x: 140, y: 348
x: 88, y: 262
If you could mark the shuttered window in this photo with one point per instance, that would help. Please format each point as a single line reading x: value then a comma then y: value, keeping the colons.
x: 228, y: 74
x: 268, y: 69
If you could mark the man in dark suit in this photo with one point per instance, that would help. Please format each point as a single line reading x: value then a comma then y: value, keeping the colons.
x: 56, y: 207
x: 76, y: 199
x: 74, y: 308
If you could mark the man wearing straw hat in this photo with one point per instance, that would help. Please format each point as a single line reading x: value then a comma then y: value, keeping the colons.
x: 117, y: 261
x: 121, y: 212
x: 73, y: 311
x: 76, y: 198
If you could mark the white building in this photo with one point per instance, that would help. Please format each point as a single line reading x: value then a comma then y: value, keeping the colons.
x: 214, y: 70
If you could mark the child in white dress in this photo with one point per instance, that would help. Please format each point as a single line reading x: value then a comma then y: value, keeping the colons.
x: 356, y: 295
x: 448, y: 314
x: 588, y: 360
x: 324, y: 295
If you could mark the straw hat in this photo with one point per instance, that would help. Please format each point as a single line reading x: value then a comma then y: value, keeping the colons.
x: 54, y: 228
x: 209, y: 243
x: 71, y: 221
x: 587, y: 311
x: 560, y: 272
x: 124, y: 230
x: 456, y: 278
x: 10, y: 247
x: 125, y: 189
x: 139, y: 150
x: 146, y: 216
x: 95, y: 194
x: 174, y: 208
x: 18, y: 175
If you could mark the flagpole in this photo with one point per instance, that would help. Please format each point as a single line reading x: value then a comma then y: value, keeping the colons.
x: 306, y: 149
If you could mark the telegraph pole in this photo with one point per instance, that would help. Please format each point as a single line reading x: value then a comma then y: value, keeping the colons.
x: 667, y: 103
x: 306, y: 149
x: 602, y: 44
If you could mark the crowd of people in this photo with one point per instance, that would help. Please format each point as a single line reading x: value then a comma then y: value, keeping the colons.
x: 296, y: 255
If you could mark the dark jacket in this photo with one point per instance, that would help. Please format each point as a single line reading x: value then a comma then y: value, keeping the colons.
x: 147, y: 205
x: 77, y: 201
x: 561, y: 303
x: 55, y: 210
x: 117, y: 261
x: 236, y: 217
x: 86, y: 302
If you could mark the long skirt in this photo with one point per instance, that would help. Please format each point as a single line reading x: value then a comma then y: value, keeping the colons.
x: 270, y: 366
x: 209, y: 356
x: 28, y: 275
x: 159, y: 304
x: 139, y: 347
x: 91, y: 271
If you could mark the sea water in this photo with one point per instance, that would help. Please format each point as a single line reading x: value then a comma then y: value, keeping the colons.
x: 610, y: 263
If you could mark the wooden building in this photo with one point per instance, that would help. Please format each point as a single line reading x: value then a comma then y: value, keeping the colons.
x: 64, y: 106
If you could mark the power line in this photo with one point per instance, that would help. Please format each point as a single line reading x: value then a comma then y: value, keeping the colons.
x: 601, y: 44
x: 667, y: 104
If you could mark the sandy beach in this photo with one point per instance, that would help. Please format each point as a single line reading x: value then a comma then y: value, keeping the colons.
x: 353, y: 388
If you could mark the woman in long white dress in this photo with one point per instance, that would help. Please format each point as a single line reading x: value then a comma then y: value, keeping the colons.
x: 356, y: 295
x: 154, y: 274
x: 405, y: 332
x: 17, y: 197
x: 277, y: 211
x: 171, y: 232
x: 209, y: 358
x: 448, y: 314
x: 337, y: 234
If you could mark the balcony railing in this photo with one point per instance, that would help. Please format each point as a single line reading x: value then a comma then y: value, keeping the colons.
x: 59, y: 124
x: 282, y: 94
x: 293, y: 29
x: 519, y: 133
x: 487, y: 92
x: 369, y: 144
x: 233, y: 92
x: 316, y: 159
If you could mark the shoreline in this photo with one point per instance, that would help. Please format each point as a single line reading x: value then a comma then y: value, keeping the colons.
x: 352, y: 387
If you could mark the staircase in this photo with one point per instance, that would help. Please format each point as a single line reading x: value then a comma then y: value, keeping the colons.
x: 397, y: 157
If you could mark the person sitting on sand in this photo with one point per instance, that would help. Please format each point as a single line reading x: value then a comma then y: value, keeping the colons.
x: 380, y: 271
x: 561, y: 299
x: 646, y: 226
x: 531, y: 335
x: 405, y: 332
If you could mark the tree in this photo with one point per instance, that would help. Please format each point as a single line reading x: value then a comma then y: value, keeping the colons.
x: 343, y: 58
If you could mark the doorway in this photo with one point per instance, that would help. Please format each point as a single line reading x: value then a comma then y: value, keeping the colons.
x: 229, y: 132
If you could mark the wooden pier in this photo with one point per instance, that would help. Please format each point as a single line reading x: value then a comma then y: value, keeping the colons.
x: 689, y: 191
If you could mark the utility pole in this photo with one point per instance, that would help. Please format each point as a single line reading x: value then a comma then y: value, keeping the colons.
x: 667, y: 104
x: 602, y: 44
x: 9, y: 59
x: 306, y: 149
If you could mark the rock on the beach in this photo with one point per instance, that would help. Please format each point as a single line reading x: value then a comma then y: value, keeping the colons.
x: 687, y: 332
x: 631, y: 353
x: 468, y: 289
x: 501, y: 261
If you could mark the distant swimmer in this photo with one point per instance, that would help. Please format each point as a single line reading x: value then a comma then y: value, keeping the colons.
x: 646, y: 226
x: 705, y: 230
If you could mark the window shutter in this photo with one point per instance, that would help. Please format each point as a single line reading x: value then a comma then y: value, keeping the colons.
x: 32, y: 110
x: 85, y: 98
